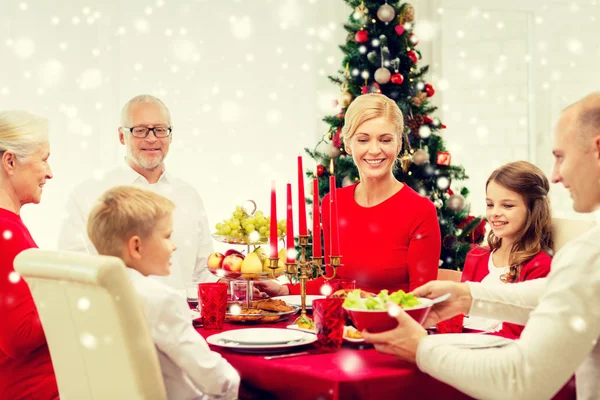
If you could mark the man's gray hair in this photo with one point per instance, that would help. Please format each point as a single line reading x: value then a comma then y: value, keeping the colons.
x: 142, y: 98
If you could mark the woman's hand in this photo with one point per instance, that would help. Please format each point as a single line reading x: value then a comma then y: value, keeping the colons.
x: 402, y: 341
x: 272, y: 288
x: 458, y: 303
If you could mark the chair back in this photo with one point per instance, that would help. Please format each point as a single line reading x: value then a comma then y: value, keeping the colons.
x: 96, y: 331
x: 449, y: 275
x: 564, y: 230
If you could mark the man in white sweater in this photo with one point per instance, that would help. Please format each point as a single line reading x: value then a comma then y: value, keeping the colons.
x: 561, y: 313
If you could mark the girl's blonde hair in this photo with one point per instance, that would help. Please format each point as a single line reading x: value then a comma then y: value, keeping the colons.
x: 530, y: 182
x: 123, y: 212
x: 370, y: 106
x: 21, y: 132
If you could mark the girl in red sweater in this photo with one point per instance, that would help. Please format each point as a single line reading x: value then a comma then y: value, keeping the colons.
x: 25, y: 366
x: 520, y: 240
x: 389, y: 234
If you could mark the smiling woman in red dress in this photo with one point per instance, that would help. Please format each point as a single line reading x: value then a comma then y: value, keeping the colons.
x: 389, y: 234
x: 25, y: 366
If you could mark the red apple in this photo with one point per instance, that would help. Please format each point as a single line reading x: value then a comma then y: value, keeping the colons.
x: 233, y: 262
x: 215, y: 260
x: 232, y: 251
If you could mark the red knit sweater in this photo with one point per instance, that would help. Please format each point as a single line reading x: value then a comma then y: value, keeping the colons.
x: 393, y: 245
x: 476, y: 268
x: 25, y: 366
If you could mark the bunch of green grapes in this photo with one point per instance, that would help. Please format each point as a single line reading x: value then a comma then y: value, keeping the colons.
x: 241, y: 225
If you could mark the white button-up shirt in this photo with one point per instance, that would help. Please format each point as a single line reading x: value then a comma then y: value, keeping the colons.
x: 190, y: 369
x: 191, y: 233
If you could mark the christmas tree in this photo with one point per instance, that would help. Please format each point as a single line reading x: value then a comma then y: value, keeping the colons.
x: 380, y: 55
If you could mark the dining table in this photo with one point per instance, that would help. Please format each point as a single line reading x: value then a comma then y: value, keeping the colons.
x: 355, y: 371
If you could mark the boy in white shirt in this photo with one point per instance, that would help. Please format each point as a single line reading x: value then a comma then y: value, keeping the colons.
x: 136, y: 225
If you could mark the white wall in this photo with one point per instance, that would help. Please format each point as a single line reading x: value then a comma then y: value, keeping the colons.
x: 246, y: 84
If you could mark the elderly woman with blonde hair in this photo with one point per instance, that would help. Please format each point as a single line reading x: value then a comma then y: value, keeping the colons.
x: 25, y: 364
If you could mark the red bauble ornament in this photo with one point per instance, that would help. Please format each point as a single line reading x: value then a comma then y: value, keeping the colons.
x: 427, y: 120
x: 320, y: 170
x: 399, y: 30
x: 443, y: 158
x: 361, y: 36
x: 397, y: 79
x: 413, y: 56
x: 429, y: 89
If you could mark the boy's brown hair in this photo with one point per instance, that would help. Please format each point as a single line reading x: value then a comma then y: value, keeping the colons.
x: 123, y: 212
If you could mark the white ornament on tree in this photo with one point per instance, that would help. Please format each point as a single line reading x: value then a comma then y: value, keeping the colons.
x: 333, y: 152
x: 456, y: 202
x: 386, y: 13
x: 443, y: 182
x: 420, y: 157
x: 438, y: 203
x: 382, y: 75
x: 346, y: 181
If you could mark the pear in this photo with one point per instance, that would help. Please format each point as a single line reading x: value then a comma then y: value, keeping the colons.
x: 280, y: 263
x: 251, y: 267
x: 261, y: 255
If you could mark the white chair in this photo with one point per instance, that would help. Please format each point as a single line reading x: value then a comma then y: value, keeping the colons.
x: 565, y: 230
x: 449, y: 275
x: 96, y: 331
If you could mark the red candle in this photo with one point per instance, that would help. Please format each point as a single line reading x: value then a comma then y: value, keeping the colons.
x: 290, y: 248
x: 302, y: 229
x: 316, y: 239
x: 333, y: 220
x: 273, y: 227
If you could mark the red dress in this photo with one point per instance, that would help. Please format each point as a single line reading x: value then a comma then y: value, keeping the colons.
x: 25, y: 366
x: 393, y: 245
x: 476, y: 268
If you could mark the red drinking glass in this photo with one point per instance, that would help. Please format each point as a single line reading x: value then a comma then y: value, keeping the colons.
x: 213, y: 303
x: 329, y: 322
x: 451, y: 325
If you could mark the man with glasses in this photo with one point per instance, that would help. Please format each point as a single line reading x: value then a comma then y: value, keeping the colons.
x: 146, y: 133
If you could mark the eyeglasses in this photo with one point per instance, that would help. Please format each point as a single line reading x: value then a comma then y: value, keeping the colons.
x: 143, y: 131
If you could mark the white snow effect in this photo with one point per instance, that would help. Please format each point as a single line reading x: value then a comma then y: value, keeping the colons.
x: 83, y: 304
x: 351, y: 363
x: 241, y: 28
x: 88, y: 340
x: 443, y: 182
x: 289, y: 13
x: 141, y: 25
x: 274, y: 117
x: 326, y: 289
x: 574, y: 46
x: 425, y: 131
x: 7, y: 234
x: 24, y: 47
x: 578, y: 324
x: 14, y: 277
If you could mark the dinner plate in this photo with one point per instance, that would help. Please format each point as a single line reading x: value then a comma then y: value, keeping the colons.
x: 470, y: 340
x: 262, y: 336
x: 296, y: 300
x: 218, y: 340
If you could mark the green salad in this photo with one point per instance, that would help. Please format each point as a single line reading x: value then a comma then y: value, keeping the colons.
x: 355, y: 302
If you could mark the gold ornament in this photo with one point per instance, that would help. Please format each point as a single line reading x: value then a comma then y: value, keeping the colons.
x: 408, y: 13
x: 405, y: 161
x: 346, y: 99
x: 419, y: 99
x: 361, y: 10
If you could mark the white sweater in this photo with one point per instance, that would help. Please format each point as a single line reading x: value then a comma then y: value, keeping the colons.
x: 562, y: 317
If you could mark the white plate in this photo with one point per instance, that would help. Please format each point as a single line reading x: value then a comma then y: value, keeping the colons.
x: 348, y: 339
x: 295, y: 300
x: 217, y: 340
x: 261, y: 336
x: 470, y: 340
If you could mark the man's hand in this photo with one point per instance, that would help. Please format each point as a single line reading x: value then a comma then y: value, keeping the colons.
x: 401, y: 341
x: 458, y: 303
x: 271, y: 288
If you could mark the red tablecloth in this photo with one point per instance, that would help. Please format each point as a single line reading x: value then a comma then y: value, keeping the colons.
x: 353, y: 372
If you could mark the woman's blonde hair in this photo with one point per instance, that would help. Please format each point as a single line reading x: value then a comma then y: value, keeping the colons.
x: 530, y: 182
x: 370, y: 106
x: 21, y: 132
x: 123, y: 212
